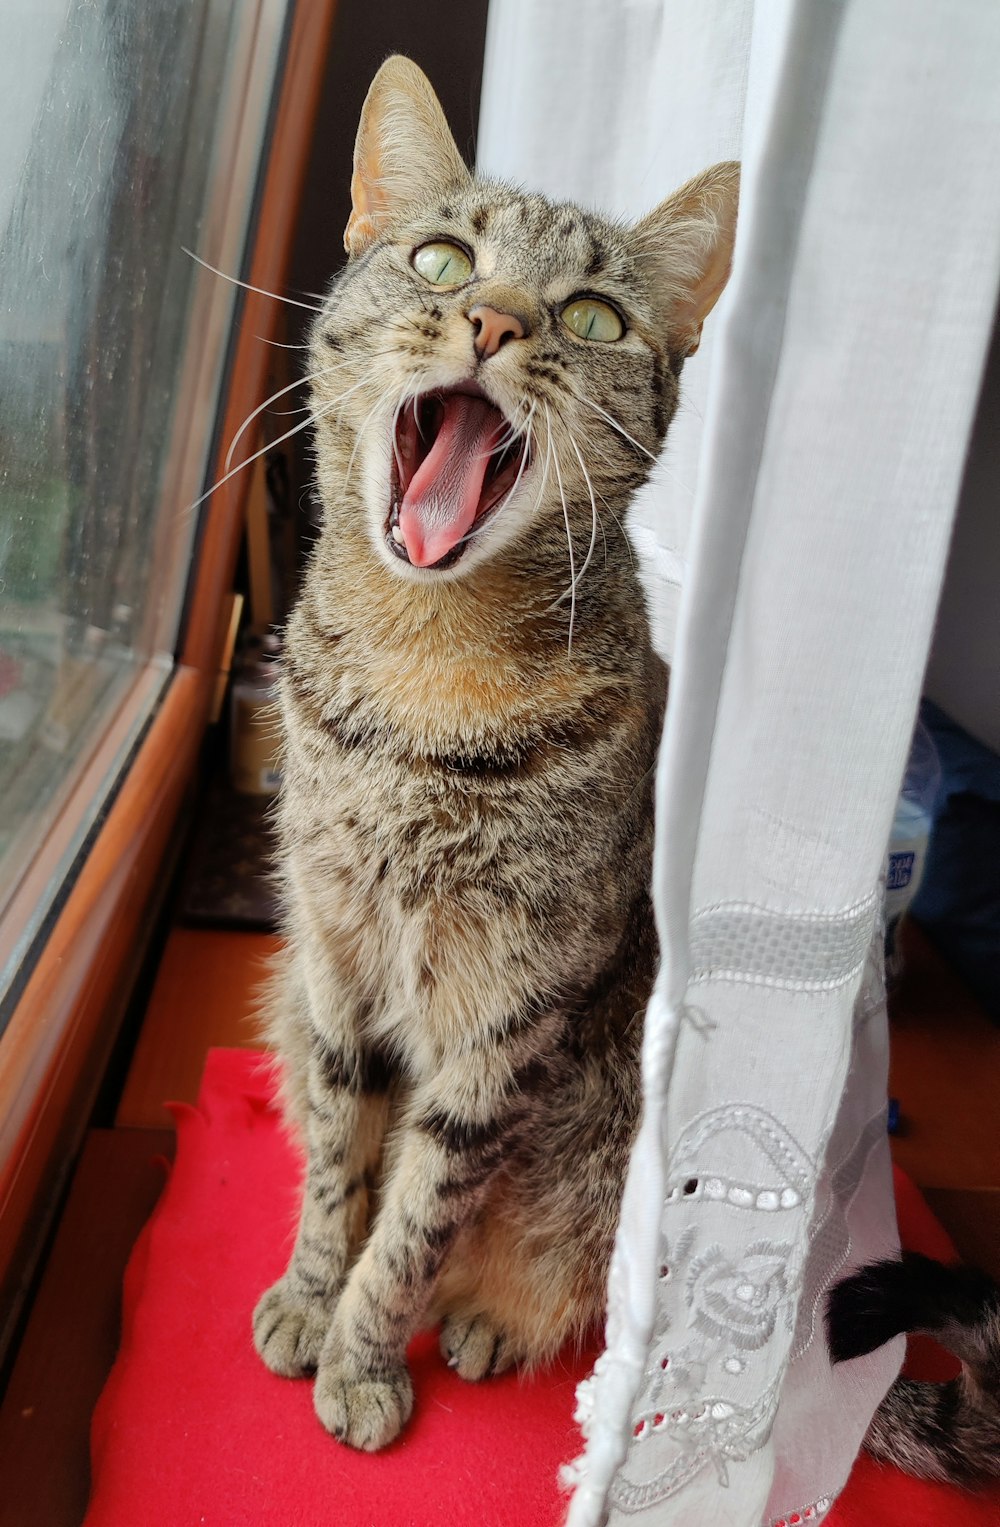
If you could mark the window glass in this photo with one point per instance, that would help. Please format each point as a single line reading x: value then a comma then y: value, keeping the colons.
x: 118, y: 126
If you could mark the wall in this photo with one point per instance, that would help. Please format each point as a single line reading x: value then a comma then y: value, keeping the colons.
x: 447, y: 41
x: 963, y: 673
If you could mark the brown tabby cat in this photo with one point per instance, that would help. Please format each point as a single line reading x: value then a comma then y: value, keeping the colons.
x: 471, y: 725
x: 472, y: 710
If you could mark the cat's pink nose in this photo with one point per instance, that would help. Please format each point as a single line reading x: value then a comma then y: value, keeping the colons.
x: 494, y: 329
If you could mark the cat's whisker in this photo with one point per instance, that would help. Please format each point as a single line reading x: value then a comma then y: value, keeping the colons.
x: 260, y: 290
x: 281, y: 392
x: 503, y: 442
x: 621, y: 430
x: 523, y: 430
x: 616, y: 425
x: 304, y: 381
x: 593, y: 507
x: 338, y: 403
x: 669, y: 472
x: 270, y: 445
x: 281, y: 344
x: 412, y: 323
x: 395, y: 442
x: 622, y: 531
x: 545, y: 470
x: 412, y: 392
x: 621, y: 528
x: 503, y: 445
x: 569, y: 537
x: 516, y: 429
x: 358, y: 439
x: 524, y: 462
x: 602, y: 456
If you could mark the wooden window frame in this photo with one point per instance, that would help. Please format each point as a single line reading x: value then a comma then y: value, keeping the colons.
x: 56, y: 1045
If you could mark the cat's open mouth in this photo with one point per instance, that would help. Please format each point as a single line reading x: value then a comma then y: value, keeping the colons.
x: 455, y: 460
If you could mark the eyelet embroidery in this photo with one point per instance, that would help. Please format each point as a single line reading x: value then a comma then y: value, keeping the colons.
x: 812, y: 1513
x: 737, y: 1302
x: 715, y: 1432
x: 793, y: 1170
x: 723, y: 1296
x: 733, y: 1300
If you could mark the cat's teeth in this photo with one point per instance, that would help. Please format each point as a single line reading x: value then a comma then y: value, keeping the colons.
x: 397, y: 535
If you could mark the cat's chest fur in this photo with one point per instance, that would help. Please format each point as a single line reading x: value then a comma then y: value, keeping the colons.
x: 439, y: 784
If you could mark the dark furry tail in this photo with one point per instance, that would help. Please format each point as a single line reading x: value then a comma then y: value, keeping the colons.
x: 937, y: 1431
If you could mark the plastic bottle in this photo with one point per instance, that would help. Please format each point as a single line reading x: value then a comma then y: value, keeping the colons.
x: 255, y: 722
x: 911, y: 828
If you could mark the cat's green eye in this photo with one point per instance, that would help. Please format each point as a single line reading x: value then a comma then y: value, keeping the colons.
x: 588, y: 318
x: 443, y: 264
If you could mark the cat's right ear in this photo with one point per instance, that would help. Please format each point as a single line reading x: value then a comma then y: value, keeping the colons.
x: 404, y: 151
x: 687, y: 246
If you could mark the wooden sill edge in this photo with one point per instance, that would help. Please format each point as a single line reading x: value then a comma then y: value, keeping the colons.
x: 65, y: 836
x: 57, y: 1041
x: 58, y: 1032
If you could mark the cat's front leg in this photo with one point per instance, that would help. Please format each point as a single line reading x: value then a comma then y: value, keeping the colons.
x: 347, y: 1087
x: 458, y: 1134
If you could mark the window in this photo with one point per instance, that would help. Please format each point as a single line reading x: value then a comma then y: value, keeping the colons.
x: 132, y: 131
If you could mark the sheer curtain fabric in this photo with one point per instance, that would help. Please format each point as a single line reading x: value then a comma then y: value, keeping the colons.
x: 805, y: 504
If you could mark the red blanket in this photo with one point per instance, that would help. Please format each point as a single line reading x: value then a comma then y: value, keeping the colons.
x: 192, y: 1431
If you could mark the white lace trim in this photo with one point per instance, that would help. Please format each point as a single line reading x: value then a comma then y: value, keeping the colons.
x: 704, y: 1384
x: 811, y: 1513
x: 793, y: 951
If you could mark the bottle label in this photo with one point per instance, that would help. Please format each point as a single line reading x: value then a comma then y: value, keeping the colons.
x: 900, y: 871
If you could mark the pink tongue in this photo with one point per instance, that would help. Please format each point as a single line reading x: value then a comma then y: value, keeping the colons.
x: 440, y: 504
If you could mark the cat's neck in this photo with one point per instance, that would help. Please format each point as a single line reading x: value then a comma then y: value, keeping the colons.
x: 518, y: 604
x: 478, y: 652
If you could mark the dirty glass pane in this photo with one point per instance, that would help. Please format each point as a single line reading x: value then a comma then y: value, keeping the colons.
x: 110, y: 113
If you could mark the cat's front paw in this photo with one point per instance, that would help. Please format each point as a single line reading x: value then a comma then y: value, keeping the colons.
x: 367, y: 1411
x: 289, y: 1328
x: 475, y: 1347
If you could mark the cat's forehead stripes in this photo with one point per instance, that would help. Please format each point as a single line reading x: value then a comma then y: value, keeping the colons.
x: 522, y: 236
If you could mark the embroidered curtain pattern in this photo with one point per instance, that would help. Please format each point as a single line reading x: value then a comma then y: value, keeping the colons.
x: 804, y: 503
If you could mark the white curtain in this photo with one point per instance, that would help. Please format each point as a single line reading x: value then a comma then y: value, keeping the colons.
x: 833, y: 403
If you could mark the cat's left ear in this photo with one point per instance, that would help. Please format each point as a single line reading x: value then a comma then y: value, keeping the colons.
x: 404, y: 152
x: 687, y: 245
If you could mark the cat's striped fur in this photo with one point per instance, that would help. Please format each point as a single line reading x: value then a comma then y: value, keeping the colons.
x: 466, y: 817
x: 947, y: 1431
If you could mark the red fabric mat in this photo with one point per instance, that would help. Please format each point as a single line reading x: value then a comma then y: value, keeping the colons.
x: 192, y: 1431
